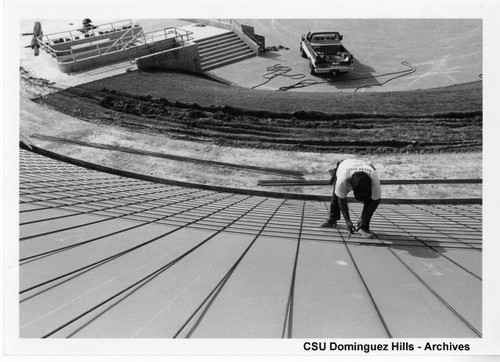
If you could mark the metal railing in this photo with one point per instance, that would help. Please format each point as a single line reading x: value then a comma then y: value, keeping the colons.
x: 181, y: 36
x: 118, y: 44
x: 237, y: 25
x: 126, y: 41
x: 77, y: 34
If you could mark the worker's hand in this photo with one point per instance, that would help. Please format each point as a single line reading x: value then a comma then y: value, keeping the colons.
x: 350, y: 226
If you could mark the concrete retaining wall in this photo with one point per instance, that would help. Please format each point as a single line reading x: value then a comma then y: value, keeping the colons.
x: 114, y: 57
x: 181, y: 58
x: 91, y: 63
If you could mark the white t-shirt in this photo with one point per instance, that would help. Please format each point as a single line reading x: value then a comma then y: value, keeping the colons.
x: 345, y: 171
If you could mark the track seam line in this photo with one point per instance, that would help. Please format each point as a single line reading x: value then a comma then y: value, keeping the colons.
x: 438, y: 297
x: 128, y: 229
x: 149, y: 277
x: 289, y: 308
x: 433, y: 292
x: 159, y: 272
x: 433, y: 249
x: 370, y: 295
x: 210, y: 299
x: 122, y: 215
x: 92, y: 211
x: 436, y: 230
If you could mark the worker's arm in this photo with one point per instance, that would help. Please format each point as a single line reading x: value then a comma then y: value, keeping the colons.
x: 344, y: 209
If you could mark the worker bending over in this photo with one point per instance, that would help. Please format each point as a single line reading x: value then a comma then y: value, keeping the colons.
x: 362, y: 178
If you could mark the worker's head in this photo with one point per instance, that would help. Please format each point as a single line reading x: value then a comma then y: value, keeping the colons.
x: 86, y: 21
x: 362, y: 186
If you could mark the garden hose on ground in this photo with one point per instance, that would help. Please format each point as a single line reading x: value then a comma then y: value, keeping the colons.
x: 276, y: 71
x: 402, y: 73
x: 280, y: 70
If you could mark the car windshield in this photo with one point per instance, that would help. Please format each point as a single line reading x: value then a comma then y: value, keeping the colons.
x: 325, y: 37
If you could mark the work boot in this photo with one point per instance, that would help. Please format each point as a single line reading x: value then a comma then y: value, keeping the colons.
x: 367, y: 234
x: 329, y: 223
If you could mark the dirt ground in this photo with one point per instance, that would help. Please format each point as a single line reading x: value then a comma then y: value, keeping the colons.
x: 312, y: 127
x: 38, y: 118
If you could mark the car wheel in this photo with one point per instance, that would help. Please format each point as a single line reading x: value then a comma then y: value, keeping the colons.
x: 302, y: 52
x: 311, y: 69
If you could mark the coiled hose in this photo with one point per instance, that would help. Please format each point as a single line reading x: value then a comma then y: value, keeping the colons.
x: 276, y: 71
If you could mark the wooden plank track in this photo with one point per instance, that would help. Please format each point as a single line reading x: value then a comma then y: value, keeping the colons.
x: 103, y: 255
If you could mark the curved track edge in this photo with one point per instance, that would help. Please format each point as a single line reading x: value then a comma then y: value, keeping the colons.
x: 114, y: 171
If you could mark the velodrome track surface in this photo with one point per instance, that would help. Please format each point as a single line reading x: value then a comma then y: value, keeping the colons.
x: 108, y: 256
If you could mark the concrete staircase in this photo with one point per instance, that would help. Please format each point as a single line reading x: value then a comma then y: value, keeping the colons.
x: 221, y: 50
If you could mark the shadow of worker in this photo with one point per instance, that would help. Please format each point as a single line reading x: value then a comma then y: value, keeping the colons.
x: 420, y: 248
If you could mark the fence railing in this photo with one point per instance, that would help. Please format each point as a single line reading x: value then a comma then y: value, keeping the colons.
x: 99, y: 45
x: 77, y: 34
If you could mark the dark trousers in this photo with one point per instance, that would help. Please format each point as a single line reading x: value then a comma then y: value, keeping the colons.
x: 334, y: 203
x: 334, y: 206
